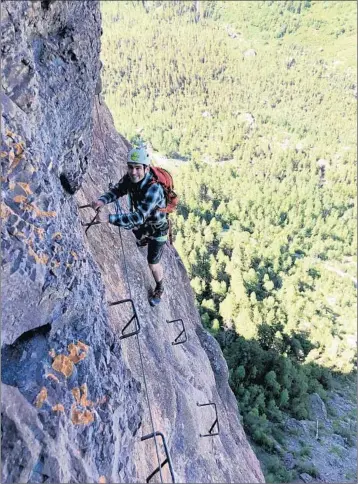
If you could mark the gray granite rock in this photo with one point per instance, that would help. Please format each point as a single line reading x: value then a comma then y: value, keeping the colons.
x: 56, y: 427
x: 74, y: 402
x: 316, y: 408
x: 306, y: 477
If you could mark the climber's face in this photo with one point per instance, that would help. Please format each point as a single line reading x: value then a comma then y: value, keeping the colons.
x: 136, y: 172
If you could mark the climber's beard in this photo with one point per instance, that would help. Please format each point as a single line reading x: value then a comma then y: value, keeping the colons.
x: 135, y: 178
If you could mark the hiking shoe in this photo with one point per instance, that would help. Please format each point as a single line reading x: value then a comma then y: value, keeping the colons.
x: 142, y: 242
x: 155, y: 299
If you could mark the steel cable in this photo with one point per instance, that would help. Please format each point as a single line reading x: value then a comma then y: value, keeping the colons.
x: 119, y: 210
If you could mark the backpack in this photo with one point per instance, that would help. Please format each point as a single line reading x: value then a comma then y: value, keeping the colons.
x: 164, y: 178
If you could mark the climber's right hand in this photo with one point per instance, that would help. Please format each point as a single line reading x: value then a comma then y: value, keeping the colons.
x: 97, y: 204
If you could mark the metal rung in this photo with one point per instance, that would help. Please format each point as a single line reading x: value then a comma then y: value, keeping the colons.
x: 135, y: 317
x: 92, y: 222
x: 211, y: 433
x: 176, y: 342
x: 166, y: 461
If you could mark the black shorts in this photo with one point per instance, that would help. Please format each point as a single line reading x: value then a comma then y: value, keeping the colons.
x: 155, y: 250
x: 155, y: 247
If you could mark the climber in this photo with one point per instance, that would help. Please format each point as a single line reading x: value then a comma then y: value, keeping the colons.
x: 149, y: 225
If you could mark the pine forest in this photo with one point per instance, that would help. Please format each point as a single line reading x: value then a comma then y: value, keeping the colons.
x: 251, y: 106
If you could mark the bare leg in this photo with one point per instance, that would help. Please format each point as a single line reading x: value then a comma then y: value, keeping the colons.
x: 157, y: 271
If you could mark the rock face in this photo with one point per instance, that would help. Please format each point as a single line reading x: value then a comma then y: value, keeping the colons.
x: 328, y: 450
x: 316, y: 407
x: 74, y: 398
x: 68, y: 400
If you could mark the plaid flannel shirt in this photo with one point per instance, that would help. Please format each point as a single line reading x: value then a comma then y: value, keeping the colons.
x: 145, y: 200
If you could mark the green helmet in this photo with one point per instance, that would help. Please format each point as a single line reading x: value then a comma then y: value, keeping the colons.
x: 138, y: 155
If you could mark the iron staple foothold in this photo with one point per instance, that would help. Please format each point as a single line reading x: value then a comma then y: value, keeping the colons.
x: 134, y: 317
x: 216, y: 422
x: 167, y: 459
x: 118, y: 208
x: 176, y: 342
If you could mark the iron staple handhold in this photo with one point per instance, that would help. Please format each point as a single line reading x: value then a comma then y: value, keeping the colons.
x: 135, y: 317
x: 166, y: 461
x: 176, y: 342
x: 216, y: 421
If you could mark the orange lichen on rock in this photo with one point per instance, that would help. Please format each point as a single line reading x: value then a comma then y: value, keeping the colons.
x: 63, y: 365
x: 19, y: 148
x: 75, y: 354
x: 40, y: 259
x: 83, y: 346
x: 14, y: 161
x: 20, y: 199
x: 53, y: 377
x: 58, y: 408
x: 38, y: 212
x: 4, y: 211
x: 41, y: 213
x: 77, y: 394
x: 41, y: 397
x: 84, y: 402
x: 77, y: 351
x: 26, y: 188
x: 79, y: 417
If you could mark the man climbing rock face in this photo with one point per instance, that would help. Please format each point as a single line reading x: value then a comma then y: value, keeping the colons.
x: 149, y: 225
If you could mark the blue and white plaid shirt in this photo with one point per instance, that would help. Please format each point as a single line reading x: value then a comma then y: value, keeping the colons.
x: 145, y: 200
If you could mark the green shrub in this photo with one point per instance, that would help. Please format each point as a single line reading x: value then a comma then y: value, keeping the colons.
x: 305, y: 451
x: 308, y: 469
x: 345, y: 432
x: 274, y: 470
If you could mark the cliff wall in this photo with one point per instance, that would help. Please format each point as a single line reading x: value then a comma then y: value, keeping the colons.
x: 74, y: 400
